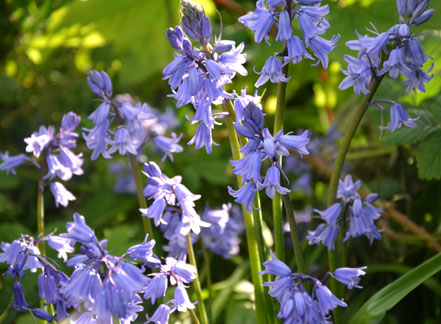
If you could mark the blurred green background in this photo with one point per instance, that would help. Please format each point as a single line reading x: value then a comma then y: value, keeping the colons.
x: 47, y: 48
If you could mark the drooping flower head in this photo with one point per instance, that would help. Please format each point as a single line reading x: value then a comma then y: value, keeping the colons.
x: 360, y: 213
x: 297, y: 304
x: 134, y: 123
x: 281, y: 13
x: 53, y: 152
x: 201, y: 69
x: 261, y: 145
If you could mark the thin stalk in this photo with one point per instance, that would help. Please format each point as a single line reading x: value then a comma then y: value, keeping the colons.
x: 40, y: 221
x: 258, y: 220
x: 196, y: 284
x: 335, y: 176
x: 294, y: 234
x: 141, y: 199
x: 347, y: 138
x: 193, y: 316
x: 207, y: 267
x: 253, y: 248
x: 277, y: 200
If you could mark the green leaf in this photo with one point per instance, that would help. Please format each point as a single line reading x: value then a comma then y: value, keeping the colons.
x: 134, y: 29
x: 376, y: 307
x: 427, y: 124
x: 428, y: 157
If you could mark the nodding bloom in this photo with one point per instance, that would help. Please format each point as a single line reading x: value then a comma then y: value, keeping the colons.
x: 137, y: 123
x: 54, y: 154
x: 398, y: 117
x: 170, y: 192
x: 106, y: 286
x: 281, y: 13
x: 297, y: 304
x: 201, y: 69
x: 23, y: 254
x: 261, y: 145
x: 401, y: 49
x: 360, y: 213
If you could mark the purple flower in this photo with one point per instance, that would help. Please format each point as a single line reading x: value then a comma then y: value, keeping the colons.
x: 327, y: 299
x: 321, y: 48
x: 168, y: 145
x: 350, y: 276
x: 182, y: 302
x: 260, y: 21
x: 160, y: 316
x: 347, y: 189
x: 61, y: 194
x: 272, y: 70
x: 275, y: 267
x: 11, y: 162
x: 272, y: 182
x: 100, y: 83
x: 244, y: 195
x: 398, y: 117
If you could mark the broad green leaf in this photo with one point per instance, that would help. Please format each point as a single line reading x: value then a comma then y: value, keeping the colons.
x: 377, y: 306
x: 428, y: 156
x: 135, y: 31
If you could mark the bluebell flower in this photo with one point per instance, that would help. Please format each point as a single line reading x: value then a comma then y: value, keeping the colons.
x: 43, y: 314
x: 11, y: 162
x: 402, y: 50
x: 272, y: 182
x: 100, y: 83
x: 19, y: 302
x: 322, y: 47
x: 272, y: 70
x: 166, y: 191
x: 168, y: 145
x: 296, y: 51
x: 260, y: 21
x: 296, y: 304
x: 223, y: 236
x: 198, y: 74
x: 79, y: 231
x: 359, y: 213
x: 61, y: 194
x: 57, y: 156
x: 244, y: 195
x: 182, y: 302
x: 350, y: 277
x: 347, y: 189
x: 398, y: 117
x: 160, y: 316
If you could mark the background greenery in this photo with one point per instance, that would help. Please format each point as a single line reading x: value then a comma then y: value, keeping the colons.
x: 46, y: 50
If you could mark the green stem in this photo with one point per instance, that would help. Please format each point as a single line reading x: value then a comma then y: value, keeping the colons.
x: 141, y: 199
x: 40, y: 219
x: 193, y: 316
x: 277, y: 200
x: 294, y: 234
x: 196, y: 284
x: 347, y: 138
x: 253, y: 248
x: 207, y: 262
x: 258, y: 221
x: 336, y: 173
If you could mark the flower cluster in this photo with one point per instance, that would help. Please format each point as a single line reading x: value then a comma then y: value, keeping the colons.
x: 56, y: 155
x: 222, y: 237
x: 134, y: 123
x: 104, y: 286
x: 171, y: 192
x: 396, y: 52
x: 362, y: 215
x: 200, y: 70
x: 282, y: 13
x: 21, y: 255
x: 261, y: 145
x: 296, y: 304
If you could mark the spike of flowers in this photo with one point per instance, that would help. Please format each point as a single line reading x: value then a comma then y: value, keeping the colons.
x: 261, y: 145
x: 360, y: 212
x: 55, y: 155
x: 297, y: 305
x: 282, y: 13
x: 201, y: 69
x: 135, y: 123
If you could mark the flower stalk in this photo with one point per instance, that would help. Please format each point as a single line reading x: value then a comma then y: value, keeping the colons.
x: 336, y: 173
x: 196, y: 284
